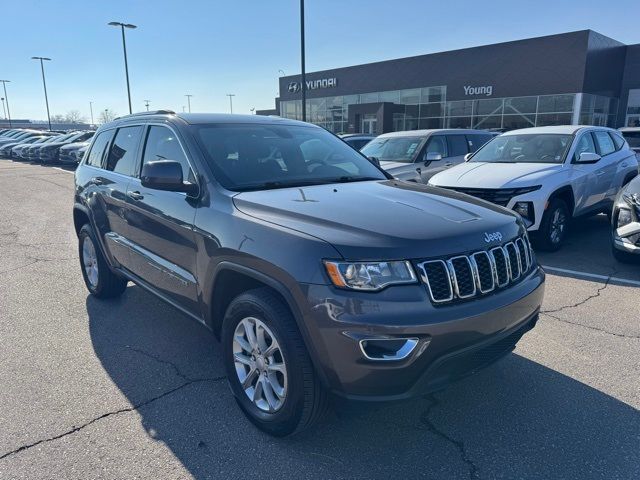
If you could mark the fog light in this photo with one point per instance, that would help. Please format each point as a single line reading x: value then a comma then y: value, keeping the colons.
x: 624, y: 217
x: 525, y: 209
x: 387, y: 349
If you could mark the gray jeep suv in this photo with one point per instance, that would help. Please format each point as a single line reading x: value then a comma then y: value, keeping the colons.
x: 320, y: 274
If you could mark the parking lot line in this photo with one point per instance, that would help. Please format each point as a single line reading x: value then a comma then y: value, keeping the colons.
x: 595, y: 276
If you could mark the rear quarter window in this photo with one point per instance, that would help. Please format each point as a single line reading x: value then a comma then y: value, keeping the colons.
x: 96, y: 154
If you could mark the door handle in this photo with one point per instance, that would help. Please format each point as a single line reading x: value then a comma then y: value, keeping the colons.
x: 97, y: 181
x: 624, y: 165
x: 135, y: 195
x: 448, y: 164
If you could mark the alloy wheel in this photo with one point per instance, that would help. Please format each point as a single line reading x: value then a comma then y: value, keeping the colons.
x: 558, y: 226
x: 260, y: 364
x: 90, y: 261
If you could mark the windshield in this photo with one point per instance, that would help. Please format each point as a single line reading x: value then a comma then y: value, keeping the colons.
x: 525, y: 148
x: 257, y: 157
x: 632, y: 138
x: 393, y: 149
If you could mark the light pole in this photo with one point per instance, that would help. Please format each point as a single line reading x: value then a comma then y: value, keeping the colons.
x: 281, y: 72
x: 91, y: 110
x: 303, y: 76
x: 44, y: 82
x: 4, y: 110
x: 188, y: 102
x: 4, y: 84
x: 183, y: 108
x: 231, y: 95
x: 124, y: 48
x: 146, y: 104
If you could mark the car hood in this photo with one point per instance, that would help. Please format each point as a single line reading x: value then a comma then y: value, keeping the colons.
x: 383, y: 220
x: 494, y: 175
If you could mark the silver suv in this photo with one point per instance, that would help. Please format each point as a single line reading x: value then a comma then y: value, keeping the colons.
x: 417, y: 155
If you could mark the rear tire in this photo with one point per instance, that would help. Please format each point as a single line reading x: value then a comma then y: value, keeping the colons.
x: 300, y: 400
x: 98, y: 277
x: 554, y: 226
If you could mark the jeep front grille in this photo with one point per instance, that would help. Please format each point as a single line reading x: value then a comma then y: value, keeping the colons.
x: 480, y: 273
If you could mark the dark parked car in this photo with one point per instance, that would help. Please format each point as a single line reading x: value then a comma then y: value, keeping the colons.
x: 625, y: 223
x: 356, y: 140
x: 15, y: 151
x: 68, y: 153
x: 319, y: 272
x: 30, y: 152
x: 49, y: 153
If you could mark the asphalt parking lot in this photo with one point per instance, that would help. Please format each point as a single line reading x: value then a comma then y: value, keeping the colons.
x: 133, y: 389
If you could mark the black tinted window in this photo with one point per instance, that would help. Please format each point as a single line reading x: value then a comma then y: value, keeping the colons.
x: 162, y: 144
x: 476, y: 141
x: 97, y: 149
x: 605, y: 144
x: 122, y: 155
x: 457, y: 145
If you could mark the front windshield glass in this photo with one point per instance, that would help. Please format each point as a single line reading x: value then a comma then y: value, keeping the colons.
x: 257, y: 157
x: 393, y: 149
x: 525, y: 148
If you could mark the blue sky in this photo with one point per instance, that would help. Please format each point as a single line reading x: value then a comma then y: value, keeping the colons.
x: 211, y: 48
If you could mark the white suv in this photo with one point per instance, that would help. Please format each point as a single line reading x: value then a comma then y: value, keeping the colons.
x: 548, y: 175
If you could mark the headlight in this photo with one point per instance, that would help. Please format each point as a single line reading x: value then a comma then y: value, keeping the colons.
x: 624, y: 217
x: 369, y: 275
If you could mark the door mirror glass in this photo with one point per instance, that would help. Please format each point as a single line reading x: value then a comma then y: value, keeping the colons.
x: 433, y: 157
x: 588, y: 157
x: 165, y: 175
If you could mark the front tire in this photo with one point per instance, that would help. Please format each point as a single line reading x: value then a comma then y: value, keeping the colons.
x: 268, y: 366
x: 97, y: 275
x: 554, y: 226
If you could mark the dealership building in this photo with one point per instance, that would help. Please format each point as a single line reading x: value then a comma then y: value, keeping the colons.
x: 572, y: 78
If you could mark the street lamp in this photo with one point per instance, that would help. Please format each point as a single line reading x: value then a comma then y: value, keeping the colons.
x: 91, y: 110
x: 146, y: 104
x: 4, y: 110
x: 44, y: 83
x: 183, y: 109
x: 231, y: 95
x: 282, y: 72
x: 8, y: 115
x: 124, y: 48
x: 303, y: 76
x: 188, y: 101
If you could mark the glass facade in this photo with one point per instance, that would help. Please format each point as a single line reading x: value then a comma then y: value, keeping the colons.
x: 428, y: 107
x: 633, y: 108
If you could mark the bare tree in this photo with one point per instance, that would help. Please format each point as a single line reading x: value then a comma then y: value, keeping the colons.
x: 106, y: 115
x: 74, y: 116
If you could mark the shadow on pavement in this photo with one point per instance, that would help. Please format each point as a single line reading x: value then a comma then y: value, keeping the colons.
x: 517, y: 419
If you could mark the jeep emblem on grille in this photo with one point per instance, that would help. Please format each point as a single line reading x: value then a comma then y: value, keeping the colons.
x: 490, y: 237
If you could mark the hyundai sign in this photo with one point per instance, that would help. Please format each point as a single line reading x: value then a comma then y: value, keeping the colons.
x: 295, y: 87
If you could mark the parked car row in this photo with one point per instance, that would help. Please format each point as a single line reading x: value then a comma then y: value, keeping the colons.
x: 44, y: 147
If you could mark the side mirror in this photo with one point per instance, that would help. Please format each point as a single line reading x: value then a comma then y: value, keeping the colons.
x: 433, y: 157
x: 588, y: 157
x: 467, y: 157
x: 166, y: 175
x: 375, y: 161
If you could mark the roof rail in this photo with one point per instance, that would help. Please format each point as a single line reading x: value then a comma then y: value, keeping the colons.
x: 152, y: 112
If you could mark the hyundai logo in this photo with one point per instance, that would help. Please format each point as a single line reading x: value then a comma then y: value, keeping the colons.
x: 294, y: 87
x: 490, y: 237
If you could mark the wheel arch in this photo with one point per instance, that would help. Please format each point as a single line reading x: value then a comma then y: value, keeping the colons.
x: 231, y: 279
x: 567, y: 195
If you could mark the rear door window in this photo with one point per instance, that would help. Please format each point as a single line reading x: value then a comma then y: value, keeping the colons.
x: 96, y: 155
x: 457, y: 145
x: 604, y: 142
x: 122, y: 154
x: 618, y: 140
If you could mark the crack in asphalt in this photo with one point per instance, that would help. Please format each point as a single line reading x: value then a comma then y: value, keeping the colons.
x: 588, y: 299
x: 458, y: 444
x: 602, y: 330
x: 133, y: 408
x: 35, y: 260
x: 186, y: 382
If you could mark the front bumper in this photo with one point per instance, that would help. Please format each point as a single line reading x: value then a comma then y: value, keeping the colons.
x: 621, y: 239
x: 453, y: 340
